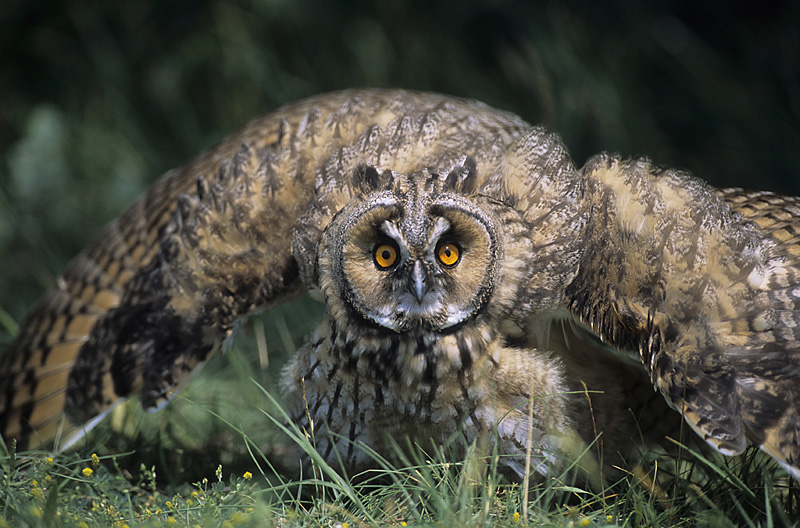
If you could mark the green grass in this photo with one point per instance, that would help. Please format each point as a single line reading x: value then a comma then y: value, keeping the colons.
x: 74, y: 490
x: 220, y: 455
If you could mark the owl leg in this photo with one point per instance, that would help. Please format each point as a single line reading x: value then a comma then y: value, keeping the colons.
x: 527, y: 402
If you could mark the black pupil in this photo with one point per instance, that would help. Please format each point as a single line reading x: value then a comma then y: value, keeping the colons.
x: 447, y: 252
x: 386, y: 254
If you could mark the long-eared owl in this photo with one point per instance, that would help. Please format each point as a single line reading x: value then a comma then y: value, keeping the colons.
x: 476, y: 281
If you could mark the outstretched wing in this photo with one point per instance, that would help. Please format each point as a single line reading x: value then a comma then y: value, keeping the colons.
x: 703, y: 286
x: 160, y: 289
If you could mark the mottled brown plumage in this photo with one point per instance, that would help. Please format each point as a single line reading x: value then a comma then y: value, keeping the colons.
x: 473, y: 276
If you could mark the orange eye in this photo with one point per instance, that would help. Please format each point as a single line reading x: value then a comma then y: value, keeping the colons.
x: 385, y: 256
x: 449, y: 253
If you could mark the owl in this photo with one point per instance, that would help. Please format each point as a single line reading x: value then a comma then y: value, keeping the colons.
x: 476, y: 282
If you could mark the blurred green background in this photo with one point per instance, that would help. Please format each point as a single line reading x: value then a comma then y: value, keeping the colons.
x: 98, y: 98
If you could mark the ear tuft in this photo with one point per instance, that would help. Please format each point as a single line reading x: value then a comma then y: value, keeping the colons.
x: 367, y: 179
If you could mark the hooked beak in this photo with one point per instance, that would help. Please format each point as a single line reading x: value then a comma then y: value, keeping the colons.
x: 417, y: 282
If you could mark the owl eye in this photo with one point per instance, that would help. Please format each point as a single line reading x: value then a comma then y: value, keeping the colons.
x: 385, y: 255
x: 448, y: 253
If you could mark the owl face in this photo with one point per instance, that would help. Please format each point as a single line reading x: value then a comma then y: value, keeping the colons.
x: 409, y: 253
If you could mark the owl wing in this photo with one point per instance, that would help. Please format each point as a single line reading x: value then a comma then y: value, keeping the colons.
x: 703, y: 286
x: 160, y: 289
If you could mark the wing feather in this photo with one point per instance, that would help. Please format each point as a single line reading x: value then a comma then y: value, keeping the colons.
x: 161, y: 288
x: 702, y: 285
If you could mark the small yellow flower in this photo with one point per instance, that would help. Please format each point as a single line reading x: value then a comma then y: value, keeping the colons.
x: 609, y: 518
x: 47, y: 478
x: 345, y: 525
x: 34, y: 482
x: 189, y: 502
x: 168, y: 504
x: 49, y: 460
x: 515, y: 518
x: 247, y: 475
x: 37, y: 493
x: 584, y: 522
x: 83, y: 524
x: 171, y: 521
x: 95, y: 460
x: 87, y: 472
x: 195, y: 494
x: 403, y: 523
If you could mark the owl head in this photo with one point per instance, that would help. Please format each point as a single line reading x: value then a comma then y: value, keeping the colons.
x: 422, y: 251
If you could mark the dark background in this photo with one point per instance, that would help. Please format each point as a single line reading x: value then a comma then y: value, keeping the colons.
x: 98, y: 98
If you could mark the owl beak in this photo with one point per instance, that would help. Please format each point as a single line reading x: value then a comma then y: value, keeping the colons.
x: 417, y: 284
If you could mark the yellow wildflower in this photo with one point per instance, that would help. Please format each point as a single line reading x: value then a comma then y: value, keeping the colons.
x: 515, y: 518
x: 49, y: 460
x: 87, y: 472
x: 95, y: 460
x: 584, y: 522
x: 247, y: 475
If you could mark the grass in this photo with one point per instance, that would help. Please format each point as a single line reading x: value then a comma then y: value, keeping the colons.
x: 217, y: 456
x: 74, y: 490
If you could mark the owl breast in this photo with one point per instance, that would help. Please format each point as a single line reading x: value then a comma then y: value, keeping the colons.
x: 367, y: 389
x: 362, y: 391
